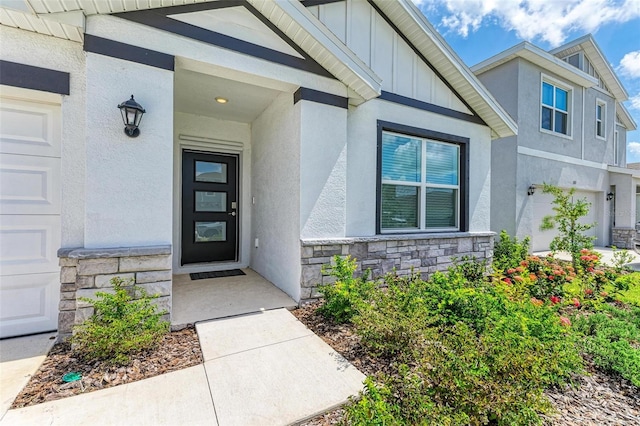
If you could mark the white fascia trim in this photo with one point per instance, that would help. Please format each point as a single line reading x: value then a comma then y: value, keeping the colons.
x: 589, y: 45
x: 560, y: 158
x: 534, y: 54
x: 443, y: 47
x: 371, y: 84
x: 628, y: 121
x: 624, y: 171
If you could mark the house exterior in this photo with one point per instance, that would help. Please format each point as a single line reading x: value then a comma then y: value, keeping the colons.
x: 276, y: 134
x: 572, y: 125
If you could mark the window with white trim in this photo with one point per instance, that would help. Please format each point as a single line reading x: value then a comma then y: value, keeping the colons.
x: 601, y: 113
x: 554, y: 115
x: 420, y: 184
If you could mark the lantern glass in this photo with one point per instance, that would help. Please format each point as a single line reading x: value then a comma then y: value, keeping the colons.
x: 132, y: 113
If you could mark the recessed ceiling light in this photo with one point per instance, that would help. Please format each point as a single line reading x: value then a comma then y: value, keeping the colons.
x: 222, y: 100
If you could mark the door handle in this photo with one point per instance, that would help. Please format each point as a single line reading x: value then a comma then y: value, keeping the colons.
x: 232, y: 213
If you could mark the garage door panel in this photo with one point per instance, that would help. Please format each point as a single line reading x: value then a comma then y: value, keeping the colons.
x: 29, y: 244
x: 29, y: 128
x: 542, y: 206
x: 29, y: 185
x: 25, y: 303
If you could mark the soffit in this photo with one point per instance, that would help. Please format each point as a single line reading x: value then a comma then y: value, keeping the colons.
x: 599, y: 62
x: 413, y: 24
x: 537, y: 56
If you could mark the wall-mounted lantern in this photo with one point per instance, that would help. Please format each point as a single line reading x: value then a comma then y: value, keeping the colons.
x: 531, y: 190
x: 132, y: 113
x: 610, y: 196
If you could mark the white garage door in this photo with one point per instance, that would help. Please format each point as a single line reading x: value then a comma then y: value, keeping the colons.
x: 542, y: 207
x: 29, y: 216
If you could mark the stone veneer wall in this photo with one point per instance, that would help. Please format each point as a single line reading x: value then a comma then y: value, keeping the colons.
x: 426, y: 253
x: 623, y: 238
x: 84, y: 272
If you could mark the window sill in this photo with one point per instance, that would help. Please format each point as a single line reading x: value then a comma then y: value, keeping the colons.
x: 560, y: 135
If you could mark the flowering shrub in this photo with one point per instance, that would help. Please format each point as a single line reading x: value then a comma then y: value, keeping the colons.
x: 546, y: 276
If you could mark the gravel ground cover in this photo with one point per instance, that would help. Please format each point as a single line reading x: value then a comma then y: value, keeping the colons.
x: 178, y: 350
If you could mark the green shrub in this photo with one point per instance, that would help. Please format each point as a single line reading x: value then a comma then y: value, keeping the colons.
x: 120, y: 326
x: 620, y: 259
x: 470, y: 268
x: 348, y: 295
x: 463, y: 353
x: 612, y: 338
x: 508, y: 252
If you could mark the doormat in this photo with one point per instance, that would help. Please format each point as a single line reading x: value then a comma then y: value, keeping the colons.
x: 216, y: 274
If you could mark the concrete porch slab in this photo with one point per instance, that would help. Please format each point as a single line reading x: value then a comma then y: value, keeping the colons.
x: 180, y: 397
x: 227, y: 336
x: 273, y: 379
x: 20, y: 358
x: 212, y: 298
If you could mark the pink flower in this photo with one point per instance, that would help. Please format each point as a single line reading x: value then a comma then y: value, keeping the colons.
x: 554, y: 299
x: 565, y: 322
x: 604, y: 294
x: 507, y: 280
x: 588, y: 291
x: 576, y: 302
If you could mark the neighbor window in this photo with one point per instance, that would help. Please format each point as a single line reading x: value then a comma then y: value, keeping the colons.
x: 555, y: 108
x: 601, y: 109
x: 419, y: 184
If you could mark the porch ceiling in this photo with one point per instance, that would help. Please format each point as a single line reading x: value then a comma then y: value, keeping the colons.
x: 195, y: 93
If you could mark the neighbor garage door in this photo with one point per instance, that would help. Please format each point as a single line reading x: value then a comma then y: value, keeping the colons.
x: 542, y: 207
x: 29, y: 216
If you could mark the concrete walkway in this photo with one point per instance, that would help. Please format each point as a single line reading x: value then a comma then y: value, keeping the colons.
x: 264, y: 368
x: 606, y: 252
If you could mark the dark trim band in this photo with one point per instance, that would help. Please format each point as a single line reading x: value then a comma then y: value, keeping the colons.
x: 35, y: 78
x: 309, y: 3
x: 461, y: 141
x: 127, y: 52
x: 421, y: 56
x: 305, y: 94
x: 159, y: 18
x: 426, y: 106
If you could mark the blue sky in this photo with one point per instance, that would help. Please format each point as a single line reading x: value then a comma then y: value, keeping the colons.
x: 478, y: 29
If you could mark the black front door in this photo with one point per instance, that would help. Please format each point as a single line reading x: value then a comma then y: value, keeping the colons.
x: 209, y: 207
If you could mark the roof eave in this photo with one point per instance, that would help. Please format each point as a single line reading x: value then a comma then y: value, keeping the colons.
x: 537, y: 56
x: 628, y: 121
x: 412, y: 22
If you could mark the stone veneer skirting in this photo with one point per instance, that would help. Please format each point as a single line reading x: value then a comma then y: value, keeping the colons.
x: 623, y: 238
x: 84, y: 272
x: 426, y: 253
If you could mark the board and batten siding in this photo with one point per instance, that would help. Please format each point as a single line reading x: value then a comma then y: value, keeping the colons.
x: 357, y: 24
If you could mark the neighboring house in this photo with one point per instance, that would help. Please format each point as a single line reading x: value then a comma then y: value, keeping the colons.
x: 348, y: 127
x: 572, y: 130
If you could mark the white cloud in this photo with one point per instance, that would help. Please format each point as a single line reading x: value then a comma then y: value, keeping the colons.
x: 547, y: 20
x: 633, y: 152
x: 635, y: 101
x: 630, y: 64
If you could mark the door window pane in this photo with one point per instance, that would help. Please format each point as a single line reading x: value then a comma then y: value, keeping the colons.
x: 442, y: 163
x: 441, y: 208
x: 210, y: 231
x: 211, y: 201
x: 399, y: 206
x: 211, y: 172
x: 401, y: 158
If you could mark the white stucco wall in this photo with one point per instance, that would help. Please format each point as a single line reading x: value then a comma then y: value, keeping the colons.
x: 34, y: 49
x: 275, y: 136
x: 129, y: 180
x: 323, y: 170
x: 230, y: 64
x: 362, y: 153
x: 221, y: 136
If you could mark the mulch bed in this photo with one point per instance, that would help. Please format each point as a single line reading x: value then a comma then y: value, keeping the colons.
x: 178, y: 350
x: 601, y: 399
